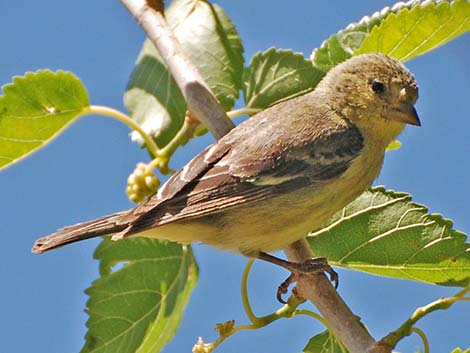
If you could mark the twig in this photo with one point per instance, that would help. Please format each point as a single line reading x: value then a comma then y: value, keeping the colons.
x: 423, y: 337
x: 116, y: 114
x: 200, y: 100
x: 316, y: 288
x: 406, y: 328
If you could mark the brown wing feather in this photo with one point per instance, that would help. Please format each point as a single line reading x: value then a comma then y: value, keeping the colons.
x: 81, y: 231
x: 210, y: 201
x: 222, y: 177
x: 241, y: 168
x: 185, y: 178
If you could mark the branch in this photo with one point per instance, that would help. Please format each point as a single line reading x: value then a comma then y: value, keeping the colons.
x: 202, y: 103
x: 407, y: 327
x: 318, y: 289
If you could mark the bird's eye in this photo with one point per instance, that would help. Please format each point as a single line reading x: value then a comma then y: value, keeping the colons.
x: 377, y: 86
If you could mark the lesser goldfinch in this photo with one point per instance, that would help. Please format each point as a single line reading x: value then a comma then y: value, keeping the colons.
x: 280, y: 174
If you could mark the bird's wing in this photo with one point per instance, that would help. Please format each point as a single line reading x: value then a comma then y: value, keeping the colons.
x: 225, y: 175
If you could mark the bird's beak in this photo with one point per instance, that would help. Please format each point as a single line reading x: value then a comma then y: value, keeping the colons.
x: 405, y: 112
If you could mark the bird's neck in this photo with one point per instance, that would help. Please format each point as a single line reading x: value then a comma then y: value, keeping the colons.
x: 381, y: 131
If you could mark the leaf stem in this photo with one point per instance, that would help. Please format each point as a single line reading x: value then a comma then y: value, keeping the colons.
x: 179, y: 139
x: 116, y: 114
x: 423, y: 337
x: 316, y: 316
x: 242, y: 111
x: 286, y: 311
x: 244, y: 292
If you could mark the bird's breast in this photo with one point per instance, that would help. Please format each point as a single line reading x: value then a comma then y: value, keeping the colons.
x: 274, y: 223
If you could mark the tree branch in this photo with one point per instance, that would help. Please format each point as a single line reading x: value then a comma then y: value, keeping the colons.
x: 407, y: 327
x: 202, y: 103
x: 318, y: 289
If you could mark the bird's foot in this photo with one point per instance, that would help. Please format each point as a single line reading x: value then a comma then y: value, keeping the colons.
x: 313, y: 265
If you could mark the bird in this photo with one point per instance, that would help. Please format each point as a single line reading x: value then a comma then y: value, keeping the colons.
x: 281, y: 173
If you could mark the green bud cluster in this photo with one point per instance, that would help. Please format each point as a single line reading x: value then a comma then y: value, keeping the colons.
x: 141, y: 183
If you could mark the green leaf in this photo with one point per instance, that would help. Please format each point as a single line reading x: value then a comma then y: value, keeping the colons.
x: 385, y: 233
x: 138, y: 307
x: 342, y: 45
x: 412, y: 32
x: 323, y: 343
x: 402, y: 31
x: 277, y: 75
x: 459, y: 350
x: 394, y: 145
x: 34, y: 109
x: 209, y: 38
x: 153, y: 98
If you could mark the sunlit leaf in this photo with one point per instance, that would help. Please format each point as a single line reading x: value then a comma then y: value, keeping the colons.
x: 277, y: 75
x: 459, y: 350
x: 342, y: 45
x: 414, y: 31
x: 138, y: 306
x: 34, y: 109
x: 209, y: 38
x: 385, y: 233
x: 153, y: 98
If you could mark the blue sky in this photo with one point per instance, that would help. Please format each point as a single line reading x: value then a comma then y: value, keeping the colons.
x: 82, y: 175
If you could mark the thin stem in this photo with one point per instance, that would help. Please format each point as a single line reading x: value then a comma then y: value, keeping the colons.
x: 154, y: 163
x: 440, y: 304
x: 423, y: 337
x: 176, y: 141
x: 116, y: 114
x: 406, y: 328
x: 463, y: 292
x: 313, y: 315
x: 242, y: 111
x: 244, y: 292
x: 286, y: 311
x: 236, y: 329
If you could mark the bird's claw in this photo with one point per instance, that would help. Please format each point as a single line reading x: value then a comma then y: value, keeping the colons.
x: 313, y: 265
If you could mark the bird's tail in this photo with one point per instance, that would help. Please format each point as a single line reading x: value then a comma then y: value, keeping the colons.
x: 71, y: 234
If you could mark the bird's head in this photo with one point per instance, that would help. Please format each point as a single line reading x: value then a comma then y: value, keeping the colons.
x: 375, y: 92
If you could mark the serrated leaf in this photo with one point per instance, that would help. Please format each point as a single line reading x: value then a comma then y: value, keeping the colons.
x: 323, y: 343
x: 404, y: 31
x: 138, y: 307
x: 209, y: 38
x: 342, y: 45
x: 277, y: 75
x: 385, y: 233
x: 459, y: 350
x: 34, y: 109
x: 414, y: 31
